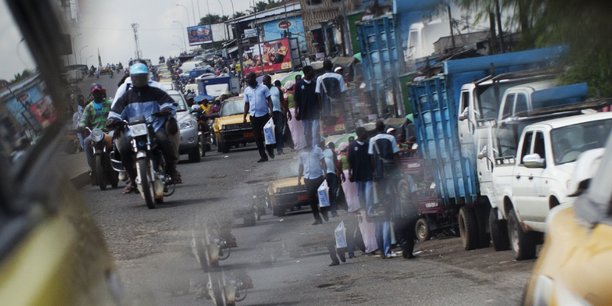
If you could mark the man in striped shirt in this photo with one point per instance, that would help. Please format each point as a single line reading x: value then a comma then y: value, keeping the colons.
x: 94, y: 116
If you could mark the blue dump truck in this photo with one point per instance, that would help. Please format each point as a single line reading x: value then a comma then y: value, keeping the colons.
x: 435, y: 102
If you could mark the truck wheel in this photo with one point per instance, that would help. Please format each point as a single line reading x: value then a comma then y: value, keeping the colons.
x: 482, y: 218
x: 421, y: 228
x: 499, y: 231
x: 523, y: 243
x: 468, y: 229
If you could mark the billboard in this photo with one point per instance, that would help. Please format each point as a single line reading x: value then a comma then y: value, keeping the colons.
x: 200, y: 34
x: 289, y: 27
x: 276, y: 57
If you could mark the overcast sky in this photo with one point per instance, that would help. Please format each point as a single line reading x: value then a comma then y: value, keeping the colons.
x: 106, y: 25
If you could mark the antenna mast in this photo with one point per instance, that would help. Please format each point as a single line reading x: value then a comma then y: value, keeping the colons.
x: 135, y: 28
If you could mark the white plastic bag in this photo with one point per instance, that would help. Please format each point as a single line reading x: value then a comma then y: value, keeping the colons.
x: 323, y: 193
x: 268, y: 131
x: 340, y: 234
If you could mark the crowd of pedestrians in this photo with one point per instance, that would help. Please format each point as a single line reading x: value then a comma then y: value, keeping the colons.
x: 365, y: 168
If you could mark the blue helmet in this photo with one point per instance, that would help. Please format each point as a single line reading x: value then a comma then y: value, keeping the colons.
x: 139, y: 68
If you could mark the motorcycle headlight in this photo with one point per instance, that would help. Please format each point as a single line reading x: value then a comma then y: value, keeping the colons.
x: 97, y: 135
x: 187, y: 124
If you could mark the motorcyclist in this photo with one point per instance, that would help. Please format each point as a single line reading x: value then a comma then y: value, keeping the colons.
x: 144, y: 100
x: 94, y: 116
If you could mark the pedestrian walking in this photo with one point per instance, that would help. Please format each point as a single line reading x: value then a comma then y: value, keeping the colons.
x: 308, y: 106
x: 258, y: 104
x: 384, y: 151
x: 331, y: 176
x: 312, y: 166
x: 360, y: 171
x: 279, y: 111
x: 330, y: 87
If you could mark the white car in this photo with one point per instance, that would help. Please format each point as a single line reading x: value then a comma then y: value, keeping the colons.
x: 528, y: 186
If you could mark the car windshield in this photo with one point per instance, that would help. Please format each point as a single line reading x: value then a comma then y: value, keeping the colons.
x: 569, y: 141
x: 182, y: 105
x: 232, y: 107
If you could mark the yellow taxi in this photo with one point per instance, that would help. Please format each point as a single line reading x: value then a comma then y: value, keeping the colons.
x: 229, y: 128
x: 574, y: 266
x: 51, y: 252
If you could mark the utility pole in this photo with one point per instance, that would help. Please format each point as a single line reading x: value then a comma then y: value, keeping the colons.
x: 450, y: 22
x: 258, y: 38
x: 135, y: 29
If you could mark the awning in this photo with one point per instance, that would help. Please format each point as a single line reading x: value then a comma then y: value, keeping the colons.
x: 232, y: 50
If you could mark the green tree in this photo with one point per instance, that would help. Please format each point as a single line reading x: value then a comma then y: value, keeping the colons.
x: 583, y: 25
x: 20, y: 76
x: 212, y: 19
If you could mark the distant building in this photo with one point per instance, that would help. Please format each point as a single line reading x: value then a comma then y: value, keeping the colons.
x: 325, y: 26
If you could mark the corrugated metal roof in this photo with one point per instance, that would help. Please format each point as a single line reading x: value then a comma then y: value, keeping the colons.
x: 267, y: 13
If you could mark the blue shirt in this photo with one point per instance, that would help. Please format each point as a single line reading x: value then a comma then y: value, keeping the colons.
x: 257, y: 100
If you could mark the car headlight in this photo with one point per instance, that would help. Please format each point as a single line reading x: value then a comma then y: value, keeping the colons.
x: 189, y: 124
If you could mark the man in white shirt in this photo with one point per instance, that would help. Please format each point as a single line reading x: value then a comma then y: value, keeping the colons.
x: 383, y: 147
x: 279, y: 111
x: 312, y: 167
x: 258, y: 104
x: 330, y: 86
x: 331, y: 161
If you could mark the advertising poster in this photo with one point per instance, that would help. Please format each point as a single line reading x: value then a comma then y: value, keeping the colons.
x: 31, y: 108
x: 292, y: 28
x: 276, y: 57
x: 200, y: 34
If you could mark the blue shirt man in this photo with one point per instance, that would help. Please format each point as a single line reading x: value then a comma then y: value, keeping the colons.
x: 258, y: 105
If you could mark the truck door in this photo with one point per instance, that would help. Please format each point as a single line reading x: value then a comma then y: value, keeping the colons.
x: 523, y: 190
x: 539, y: 210
x: 465, y: 124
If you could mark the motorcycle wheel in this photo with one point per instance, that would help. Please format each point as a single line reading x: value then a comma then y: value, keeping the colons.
x: 111, y: 174
x: 99, y: 172
x: 146, y: 182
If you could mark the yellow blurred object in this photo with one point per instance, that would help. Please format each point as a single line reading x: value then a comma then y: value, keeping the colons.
x: 62, y: 260
x: 574, y: 265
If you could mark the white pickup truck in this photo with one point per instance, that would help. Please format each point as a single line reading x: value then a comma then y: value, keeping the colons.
x: 525, y: 187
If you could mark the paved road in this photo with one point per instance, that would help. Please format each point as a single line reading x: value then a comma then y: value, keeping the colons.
x: 153, y: 253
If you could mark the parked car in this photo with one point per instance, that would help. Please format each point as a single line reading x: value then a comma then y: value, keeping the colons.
x: 188, y: 125
x: 526, y: 187
x: 573, y: 267
x: 285, y: 193
x: 229, y: 128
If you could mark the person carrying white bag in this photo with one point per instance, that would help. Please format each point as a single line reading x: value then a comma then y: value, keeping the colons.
x: 312, y: 167
x: 268, y: 131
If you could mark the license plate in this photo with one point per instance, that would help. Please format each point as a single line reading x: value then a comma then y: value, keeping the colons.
x: 247, y: 134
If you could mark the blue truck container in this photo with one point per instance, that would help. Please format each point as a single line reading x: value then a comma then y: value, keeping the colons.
x: 435, y: 103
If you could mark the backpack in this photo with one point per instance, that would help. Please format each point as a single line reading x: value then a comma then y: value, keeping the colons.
x: 383, y: 156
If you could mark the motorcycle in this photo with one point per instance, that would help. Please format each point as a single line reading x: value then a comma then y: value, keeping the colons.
x: 103, y: 172
x: 151, y: 181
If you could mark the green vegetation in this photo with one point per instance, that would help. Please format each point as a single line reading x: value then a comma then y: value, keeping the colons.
x: 582, y: 25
